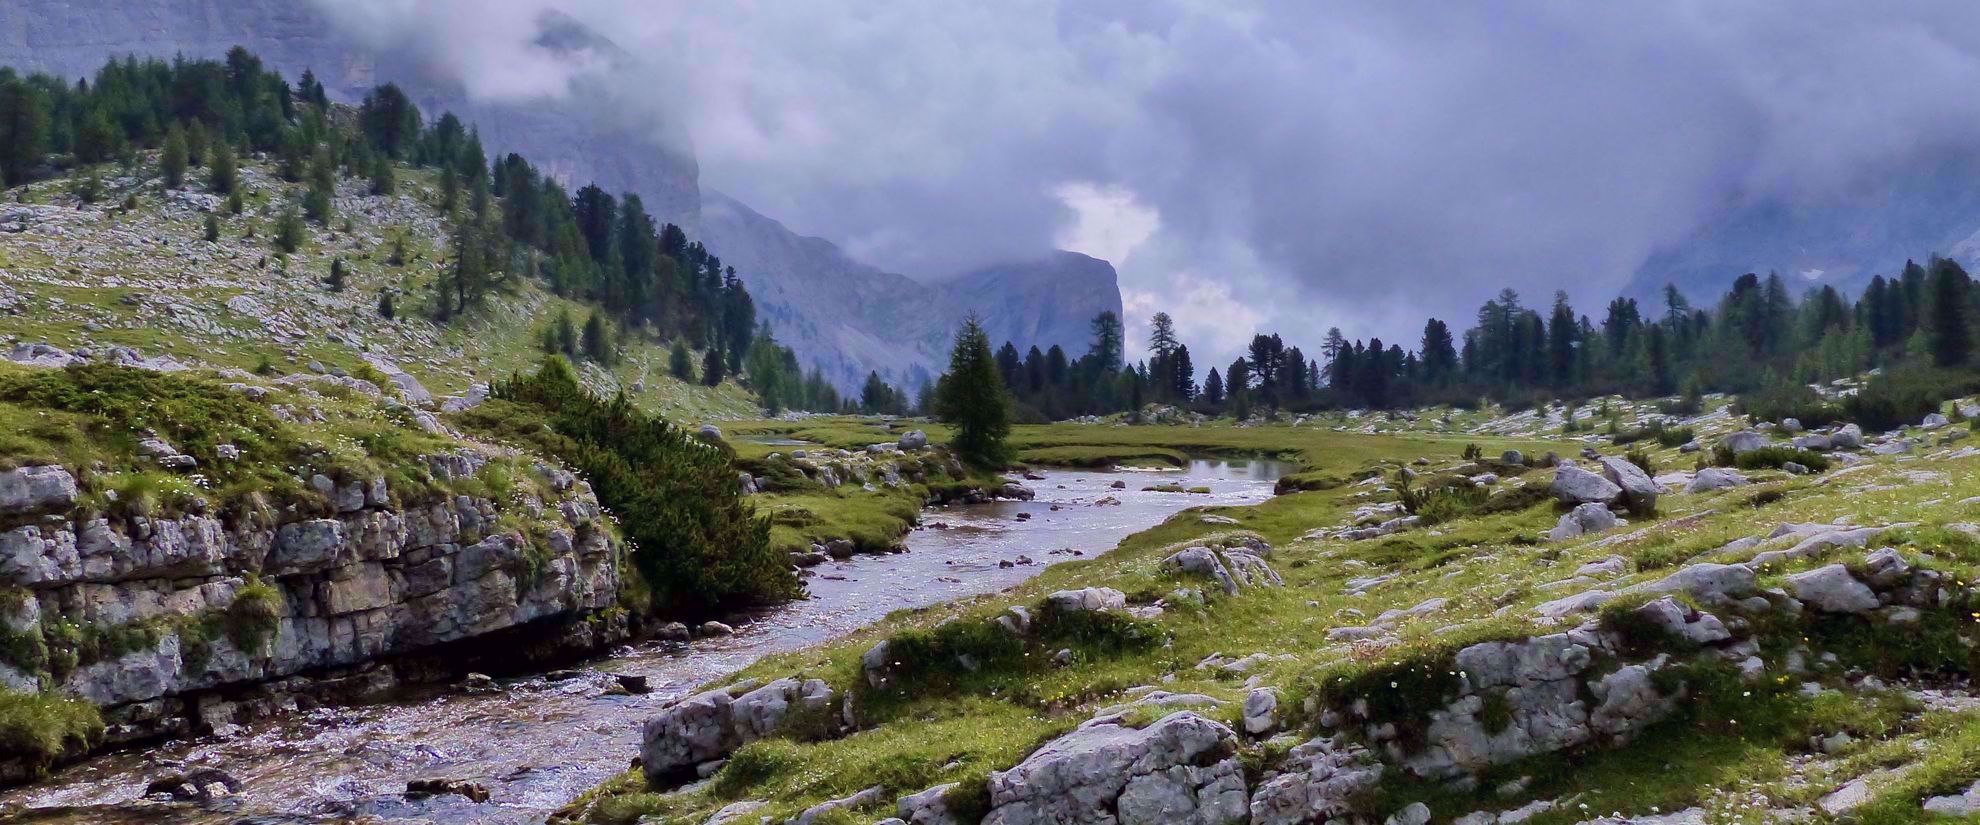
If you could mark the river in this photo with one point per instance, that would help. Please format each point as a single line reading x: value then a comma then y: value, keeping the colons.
x: 537, y: 744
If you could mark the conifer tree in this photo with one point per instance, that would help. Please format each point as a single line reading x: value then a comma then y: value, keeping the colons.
x: 680, y: 362
x: 711, y: 367
x: 289, y: 231
x: 386, y: 308
x: 212, y: 228
x: 222, y: 177
x: 172, y: 159
x: 24, y: 130
x: 1951, y: 333
x: 971, y: 398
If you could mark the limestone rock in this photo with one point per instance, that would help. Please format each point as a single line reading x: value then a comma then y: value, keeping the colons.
x: 1573, y: 485
x: 41, y: 489
x: 1319, y: 781
x: 1181, y: 769
x: 1087, y: 599
x: 1638, y: 489
x: 1715, y: 478
x: 1832, y: 589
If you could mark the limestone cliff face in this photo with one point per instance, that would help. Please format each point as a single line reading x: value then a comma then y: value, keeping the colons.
x: 850, y: 317
x: 152, y: 617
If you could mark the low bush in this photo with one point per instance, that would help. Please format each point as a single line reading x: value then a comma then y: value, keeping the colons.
x: 43, y: 726
x: 1903, y: 395
x: 1788, y: 400
x: 1772, y: 458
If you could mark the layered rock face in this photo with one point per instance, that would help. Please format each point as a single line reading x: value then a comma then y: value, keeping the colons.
x: 143, y: 615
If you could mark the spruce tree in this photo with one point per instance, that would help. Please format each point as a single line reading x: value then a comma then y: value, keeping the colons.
x: 971, y: 398
x: 322, y: 187
x: 222, y: 176
x: 212, y: 228
x: 289, y: 231
x: 594, y: 342
x: 711, y: 367
x: 172, y: 159
x: 1951, y: 333
x: 384, y: 179
x: 680, y: 363
x: 24, y: 130
x: 386, y: 309
x: 337, y: 275
x: 1213, y: 388
x: 563, y: 334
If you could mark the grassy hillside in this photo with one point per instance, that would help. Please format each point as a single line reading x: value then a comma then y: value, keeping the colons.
x: 133, y: 269
x: 1847, y: 713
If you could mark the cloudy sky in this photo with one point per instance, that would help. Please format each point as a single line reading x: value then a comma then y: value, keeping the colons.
x: 1271, y: 164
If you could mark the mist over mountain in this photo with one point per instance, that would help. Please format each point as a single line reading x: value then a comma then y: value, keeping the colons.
x: 845, y: 316
x: 1842, y: 237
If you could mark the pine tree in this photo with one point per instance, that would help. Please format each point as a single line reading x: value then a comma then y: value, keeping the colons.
x: 971, y: 398
x: 595, y: 341
x: 289, y: 231
x: 337, y: 275
x: 398, y: 256
x: 384, y: 178
x: 196, y: 143
x: 1951, y: 333
x: 318, y: 201
x: 386, y: 309
x: 24, y: 130
x: 711, y: 367
x: 564, y: 334
x: 680, y: 362
x: 1213, y: 388
x: 212, y: 228
x: 172, y: 159
x: 222, y: 176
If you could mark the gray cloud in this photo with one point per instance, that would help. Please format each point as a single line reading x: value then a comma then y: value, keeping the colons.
x: 1358, y: 164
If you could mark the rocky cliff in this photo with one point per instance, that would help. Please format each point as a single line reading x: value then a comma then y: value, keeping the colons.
x: 181, y: 583
x: 847, y: 317
x: 850, y: 317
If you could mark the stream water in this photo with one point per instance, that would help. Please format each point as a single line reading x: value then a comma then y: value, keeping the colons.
x: 537, y: 744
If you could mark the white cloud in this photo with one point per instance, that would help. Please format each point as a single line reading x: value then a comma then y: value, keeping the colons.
x: 1108, y: 222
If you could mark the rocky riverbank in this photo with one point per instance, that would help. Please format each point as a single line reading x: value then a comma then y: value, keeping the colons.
x: 194, y: 623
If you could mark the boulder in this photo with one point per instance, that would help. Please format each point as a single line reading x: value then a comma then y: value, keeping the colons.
x: 711, y: 725
x: 913, y: 440
x: 1261, y: 711
x: 1583, y: 520
x: 710, y: 432
x: 1573, y: 485
x: 862, y: 799
x: 1087, y: 599
x: 41, y: 489
x: 1849, y: 437
x: 1744, y: 441
x: 1319, y: 781
x: 929, y: 807
x: 1934, y: 421
x: 1638, y: 489
x: 1814, y: 442
x: 1715, y: 478
x: 1832, y: 589
x: 1513, y: 457
x: 1183, y: 768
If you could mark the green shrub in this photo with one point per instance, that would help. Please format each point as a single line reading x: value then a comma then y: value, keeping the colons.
x: 1773, y: 458
x: 1903, y: 395
x: 254, y: 616
x: 43, y: 726
x: 1788, y: 400
x: 695, y: 541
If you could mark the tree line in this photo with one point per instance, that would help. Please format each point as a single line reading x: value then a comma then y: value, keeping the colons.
x: 1758, y: 335
x: 641, y: 276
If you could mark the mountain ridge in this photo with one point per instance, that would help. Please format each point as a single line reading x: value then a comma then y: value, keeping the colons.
x: 844, y: 316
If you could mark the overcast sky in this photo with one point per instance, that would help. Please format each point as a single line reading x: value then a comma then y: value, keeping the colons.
x: 1258, y: 164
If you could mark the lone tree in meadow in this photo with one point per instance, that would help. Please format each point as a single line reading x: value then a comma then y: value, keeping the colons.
x: 971, y: 398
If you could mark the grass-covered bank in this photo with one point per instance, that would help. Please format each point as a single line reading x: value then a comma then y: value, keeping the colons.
x: 1733, y: 744
x: 803, y: 511
x: 961, y: 725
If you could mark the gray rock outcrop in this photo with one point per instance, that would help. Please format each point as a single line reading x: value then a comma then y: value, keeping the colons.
x: 1573, y: 485
x: 1181, y: 769
x: 711, y: 725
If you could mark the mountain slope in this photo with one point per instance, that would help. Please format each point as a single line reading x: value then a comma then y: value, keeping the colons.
x: 1842, y: 239
x: 94, y: 276
x: 843, y: 315
x: 850, y: 317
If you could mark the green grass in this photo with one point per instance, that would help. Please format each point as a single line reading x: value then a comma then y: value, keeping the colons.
x: 1732, y: 738
x: 39, y: 728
